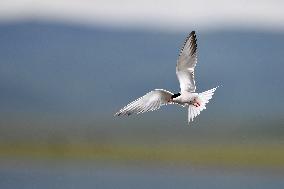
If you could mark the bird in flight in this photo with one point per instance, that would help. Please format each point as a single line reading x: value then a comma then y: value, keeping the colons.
x: 187, y: 97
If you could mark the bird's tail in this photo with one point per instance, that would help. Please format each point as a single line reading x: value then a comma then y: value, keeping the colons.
x: 203, y: 98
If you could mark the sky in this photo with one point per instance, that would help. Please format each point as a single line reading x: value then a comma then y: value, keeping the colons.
x: 159, y: 14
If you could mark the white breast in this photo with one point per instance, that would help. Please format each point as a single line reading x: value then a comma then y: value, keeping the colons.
x: 185, y: 98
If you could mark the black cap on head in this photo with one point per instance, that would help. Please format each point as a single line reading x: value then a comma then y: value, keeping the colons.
x: 175, y: 95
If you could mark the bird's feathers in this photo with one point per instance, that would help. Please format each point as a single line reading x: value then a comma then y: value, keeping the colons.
x: 203, y: 98
x: 186, y: 63
x: 149, y: 102
x: 153, y: 100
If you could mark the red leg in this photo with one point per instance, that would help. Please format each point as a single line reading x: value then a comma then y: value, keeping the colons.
x: 196, y: 103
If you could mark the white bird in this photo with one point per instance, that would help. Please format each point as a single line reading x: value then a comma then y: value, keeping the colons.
x: 195, y: 102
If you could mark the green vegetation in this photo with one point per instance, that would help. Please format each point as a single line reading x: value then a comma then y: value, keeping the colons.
x: 258, y: 155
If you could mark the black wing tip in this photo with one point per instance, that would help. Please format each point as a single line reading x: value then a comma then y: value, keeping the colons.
x: 117, y: 114
x: 193, y: 40
x: 122, y: 114
x: 193, y: 33
x: 189, y: 36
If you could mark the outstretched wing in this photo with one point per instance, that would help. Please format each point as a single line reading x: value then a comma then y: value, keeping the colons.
x: 149, y: 102
x: 186, y: 63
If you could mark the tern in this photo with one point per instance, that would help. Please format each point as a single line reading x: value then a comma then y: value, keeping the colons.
x: 187, y: 97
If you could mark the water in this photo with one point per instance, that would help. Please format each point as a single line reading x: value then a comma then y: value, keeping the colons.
x: 61, y: 175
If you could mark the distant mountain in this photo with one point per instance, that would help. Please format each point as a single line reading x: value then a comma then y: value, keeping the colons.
x: 53, y: 67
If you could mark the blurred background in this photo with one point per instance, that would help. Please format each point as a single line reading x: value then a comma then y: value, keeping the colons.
x: 67, y: 66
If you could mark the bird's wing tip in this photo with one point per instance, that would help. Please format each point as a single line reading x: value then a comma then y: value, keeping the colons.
x: 116, y: 114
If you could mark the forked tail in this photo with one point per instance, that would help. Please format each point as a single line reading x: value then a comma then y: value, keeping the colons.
x: 203, y: 98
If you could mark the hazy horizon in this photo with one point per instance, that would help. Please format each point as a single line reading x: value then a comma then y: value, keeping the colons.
x: 67, y: 66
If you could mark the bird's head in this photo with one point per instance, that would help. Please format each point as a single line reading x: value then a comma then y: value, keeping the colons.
x: 174, y: 96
